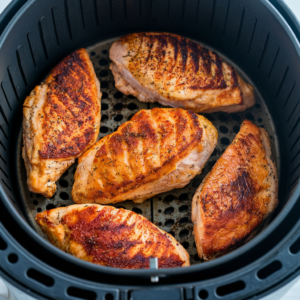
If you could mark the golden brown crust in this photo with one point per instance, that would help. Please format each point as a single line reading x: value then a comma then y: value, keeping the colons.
x: 236, y: 196
x: 141, y: 151
x: 111, y: 237
x: 61, y: 119
x: 176, y: 71
x: 70, y: 106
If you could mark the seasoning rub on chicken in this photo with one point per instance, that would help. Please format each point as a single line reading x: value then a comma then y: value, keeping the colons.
x: 157, y: 151
x: 61, y: 119
x: 111, y: 237
x: 238, y: 194
x: 178, y: 72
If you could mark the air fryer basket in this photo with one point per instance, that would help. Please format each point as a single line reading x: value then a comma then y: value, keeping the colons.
x: 254, y: 38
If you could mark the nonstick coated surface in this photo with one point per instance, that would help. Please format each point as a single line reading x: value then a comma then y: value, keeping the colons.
x: 170, y: 211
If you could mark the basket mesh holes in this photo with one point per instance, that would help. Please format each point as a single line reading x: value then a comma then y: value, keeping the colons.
x: 118, y: 106
x: 295, y: 248
x: 209, y: 117
x: 169, y: 223
x: 223, y: 129
x: 137, y: 210
x: 50, y: 206
x: 259, y: 120
x: 269, y: 269
x: 64, y: 196
x: 169, y: 198
x: 225, y: 141
x: 35, y: 202
x: 12, y: 258
x: 40, y: 277
x: 183, y: 197
x: 231, y: 288
x: 103, y: 73
x: 104, y: 106
x: 104, y: 51
x: 63, y: 183
x: 103, y: 129
x: 169, y: 210
x: 159, y: 210
x: 103, y: 62
x: 104, y: 118
x: 184, y: 220
x: 104, y: 96
x: 183, y: 208
x: 249, y: 116
x: 183, y: 233
x: 132, y: 106
x: 185, y: 245
x: 235, y: 117
x: 118, y: 95
x: 39, y: 210
x: 257, y: 105
x: 222, y: 117
x: 236, y: 129
x: 3, y: 244
x: 118, y: 118
x: 203, y: 294
x: 81, y: 293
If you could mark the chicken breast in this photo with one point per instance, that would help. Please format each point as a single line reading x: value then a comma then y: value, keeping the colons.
x: 157, y: 151
x: 238, y: 194
x: 61, y: 119
x: 176, y: 71
x: 111, y: 237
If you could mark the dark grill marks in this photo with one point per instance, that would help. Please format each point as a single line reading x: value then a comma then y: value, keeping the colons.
x: 110, y: 240
x: 195, y: 55
x: 206, y: 61
x: 174, y: 42
x: 183, y: 51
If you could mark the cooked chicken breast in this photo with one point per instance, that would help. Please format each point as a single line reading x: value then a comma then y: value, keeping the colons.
x: 238, y: 194
x: 111, y: 237
x: 61, y: 119
x: 157, y: 151
x: 176, y: 71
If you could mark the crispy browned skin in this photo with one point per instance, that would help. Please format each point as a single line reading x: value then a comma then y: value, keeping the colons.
x: 61, y: 120
x: 158, y: 150
x: 111, y: 237
x: 237, y: 195
x: 177, y: 71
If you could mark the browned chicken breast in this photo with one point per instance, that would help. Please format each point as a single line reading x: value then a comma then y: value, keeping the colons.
x: 237, y: 195
x: 176, y: 71
x: 111, y: 237
x: 61, y: 119
x: 157, y: 151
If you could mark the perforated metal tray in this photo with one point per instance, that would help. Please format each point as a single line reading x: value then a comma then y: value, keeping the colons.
x: 170, y: 211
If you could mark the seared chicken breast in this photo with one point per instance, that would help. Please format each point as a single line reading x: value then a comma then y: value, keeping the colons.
x: 238, y: 194
x: 111, y: 237
x: 61, y: 119
x: 176, y: 71
x: 157, y: 151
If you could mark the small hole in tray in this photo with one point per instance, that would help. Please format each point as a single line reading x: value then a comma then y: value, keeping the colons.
x: 64, y: 196
x: 63, y: 183
x: 183, y: 196
x: 259, y: 120
x: 104, y: 84
x: 81, y: 293
x: 169, y: 223
x: 257, y: 105
x: 184, y: 220
x: 118, y: 106
x: 236, y: 129
x: 103, y: 129
x: 222, y: 117
x: 40, y: 277
x: 225, y: 141
x: 104, y: 118
x: 104, y: 106
x: 35, y: 202
x: 235, y: 117
x: 209, y: 117
x: 223, y: 129
x: 169, y: 198
x: 12, y: 258
x: 169, y: 210
x: 196, y: 257
x: 185, y: 245
x: 39, y: 210
x: 50, y: 206
x: 103, y: 62
x: 249, y: 116
x: 183, y: 208
x: 118, y: 95
x: 118, y: 118
x: 183, y: 233
x: 103, y: 73
x: 104, y: 51
x: 137, y: 210
x: 132, y: 106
